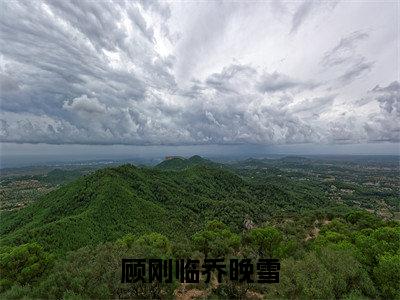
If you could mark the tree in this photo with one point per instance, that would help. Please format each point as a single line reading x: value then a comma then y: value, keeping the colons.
x: 150, y: 245
x: 387, y: 275
x: 348, y: 275
x: 216, y: 239
x: 266, y: 240
x: 155, y: 245
x: 23, y: 264
x: 363, y: 219
x: 306, y: 278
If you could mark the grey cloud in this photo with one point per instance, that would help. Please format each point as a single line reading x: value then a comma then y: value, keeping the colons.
x: 60, y: 55
x: 238, y: 114
x: 159, y: 7
x: 139, y: 21
x: 208, y: 25
x: 392, y: 87
x: 85, y: 104
x: 379, y: 126
x: 94, y: 19
x: 305, y: 9
x: 70, y: 73
x: 278, y: 6
x: 355, y: 71
x: 3, y: 128
x: 314, y: 106
x: 380, y: 129
x: 345, y: 56
x: 8, y: 84
x: 276, y: 82
x: 349, y: 41
x: 388, y: 97
x: 227, y: 80
x: 301, y: 14
x: 344, y: 131
x: 63, y: 57
x: 231, y: 115
x: 344, y: 51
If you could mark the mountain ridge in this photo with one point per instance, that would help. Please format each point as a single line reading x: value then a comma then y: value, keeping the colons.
x: 112, y: 202
x: 101, y: 207
x: 180, y: 163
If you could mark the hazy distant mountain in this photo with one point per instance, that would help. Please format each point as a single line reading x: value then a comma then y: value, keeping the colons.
x: 296, y: 159
x: 180, y: 163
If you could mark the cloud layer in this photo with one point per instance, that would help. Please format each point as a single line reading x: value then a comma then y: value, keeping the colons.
x: 150, y: 73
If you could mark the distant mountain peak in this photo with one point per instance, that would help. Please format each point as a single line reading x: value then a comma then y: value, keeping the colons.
x: 180, y: 163
x: 197, y: 158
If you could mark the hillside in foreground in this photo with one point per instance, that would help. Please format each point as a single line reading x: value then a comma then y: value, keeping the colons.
x: 111, y: 202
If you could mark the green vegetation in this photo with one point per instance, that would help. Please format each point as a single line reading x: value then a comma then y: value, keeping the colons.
x: 69, y: 243
x: 112, y: 202
x: 216, y: 240
x: 19, y: 191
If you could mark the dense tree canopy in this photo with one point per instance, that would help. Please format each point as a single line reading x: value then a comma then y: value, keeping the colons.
x: 70, y: 243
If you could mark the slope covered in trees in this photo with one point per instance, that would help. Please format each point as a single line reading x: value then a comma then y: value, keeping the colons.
x: 69, y: 244
x: 111, y: 202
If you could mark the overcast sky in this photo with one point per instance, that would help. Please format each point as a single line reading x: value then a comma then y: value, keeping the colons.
x: 199, y: 73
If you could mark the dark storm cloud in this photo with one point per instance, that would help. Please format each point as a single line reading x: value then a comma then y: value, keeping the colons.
x: 60, y: 59
x: 103, y: 72
x: 229, y: 109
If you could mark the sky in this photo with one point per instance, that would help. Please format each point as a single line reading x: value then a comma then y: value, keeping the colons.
x: 205, y: 73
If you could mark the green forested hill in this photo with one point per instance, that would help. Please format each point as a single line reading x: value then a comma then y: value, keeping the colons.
x: 69, y: 243
x: 109, y: 203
